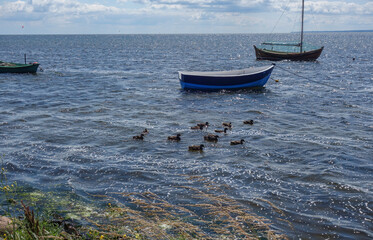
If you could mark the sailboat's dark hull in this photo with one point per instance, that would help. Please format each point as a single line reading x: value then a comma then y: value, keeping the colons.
x: 262, y: 54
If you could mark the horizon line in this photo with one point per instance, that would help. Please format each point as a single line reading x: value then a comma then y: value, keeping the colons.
x: 21, y: 34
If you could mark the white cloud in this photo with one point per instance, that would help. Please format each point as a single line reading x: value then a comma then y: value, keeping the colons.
x: 13, y: 7
x: 206, y: 5
x: 60, y: 7
x: 52, y: 8
x: 209, y: 14
x: 339, y: 7
x: 328, y: 7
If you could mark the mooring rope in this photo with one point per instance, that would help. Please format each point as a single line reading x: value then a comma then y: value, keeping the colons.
x: 309, y: 79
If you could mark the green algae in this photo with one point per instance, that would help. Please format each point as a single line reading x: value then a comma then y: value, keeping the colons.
x: 209, y: 214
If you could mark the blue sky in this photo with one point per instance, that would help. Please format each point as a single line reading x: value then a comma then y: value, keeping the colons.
x: 180, y: 16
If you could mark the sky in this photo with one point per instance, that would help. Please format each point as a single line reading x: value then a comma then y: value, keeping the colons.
x: 181, y: 16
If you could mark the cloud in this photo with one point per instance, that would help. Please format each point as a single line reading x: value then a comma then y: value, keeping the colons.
x: 204, y: 5
x: 211, y: 15
x: 41, y: 9
x: 71, y: 8
x: 339, y: 7
x: 331, y: 14
x: 14, y: 7
x: 328, y: 7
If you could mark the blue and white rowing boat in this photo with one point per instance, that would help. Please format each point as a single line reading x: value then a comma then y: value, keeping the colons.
x: 235, y: 79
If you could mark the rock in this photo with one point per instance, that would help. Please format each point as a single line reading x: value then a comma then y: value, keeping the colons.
x: 5, y: 224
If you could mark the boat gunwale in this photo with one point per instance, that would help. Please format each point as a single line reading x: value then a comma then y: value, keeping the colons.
x: 293, y: 44
x: 17, y: 65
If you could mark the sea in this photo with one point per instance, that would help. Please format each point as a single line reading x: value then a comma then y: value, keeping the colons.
x: 306, y: 165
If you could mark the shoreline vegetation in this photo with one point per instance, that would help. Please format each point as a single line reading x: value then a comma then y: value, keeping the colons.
x: 32, y: 214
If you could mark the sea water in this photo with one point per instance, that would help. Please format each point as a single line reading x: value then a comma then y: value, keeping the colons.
x: 309, y: 152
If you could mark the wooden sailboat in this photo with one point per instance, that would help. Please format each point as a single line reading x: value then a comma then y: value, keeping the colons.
x: 276, y: 51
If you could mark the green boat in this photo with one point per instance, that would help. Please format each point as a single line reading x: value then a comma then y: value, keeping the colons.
x: 8, y: 67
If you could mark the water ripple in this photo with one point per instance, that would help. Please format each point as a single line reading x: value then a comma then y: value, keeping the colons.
x: 306, y: 163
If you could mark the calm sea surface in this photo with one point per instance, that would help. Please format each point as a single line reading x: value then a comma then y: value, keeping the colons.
x: 309, y: 153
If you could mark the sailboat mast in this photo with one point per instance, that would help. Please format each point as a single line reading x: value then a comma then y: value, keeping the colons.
x: 301, y: 34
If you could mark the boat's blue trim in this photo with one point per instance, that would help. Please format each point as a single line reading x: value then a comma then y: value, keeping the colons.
x: 258, y: 83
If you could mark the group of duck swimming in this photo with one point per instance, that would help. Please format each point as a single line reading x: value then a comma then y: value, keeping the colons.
x: 209, y: 137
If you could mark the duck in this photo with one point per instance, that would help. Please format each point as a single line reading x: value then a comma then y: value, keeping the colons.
x: 197, y: 127
x: 225, y: 124
x: 251, y: 122
x: 211, y: 137
x: 221, y: 131
x: 139, y: 137
x: 238, y: 142
x: 206, y: 124
x: 174, y: 138
x: 145, y: 131
x: 196, y: 147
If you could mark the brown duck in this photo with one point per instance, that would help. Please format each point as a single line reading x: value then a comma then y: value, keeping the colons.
x: 206, y: 124
x: 139, y: 137
x: 196, y: 147
x: 237, y: 142
x: 174, y: 138
x: 221, y: 131
x: 211, y: 138
x: 251, y: 122
x: 197, y: 127
x: 225, y: 124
